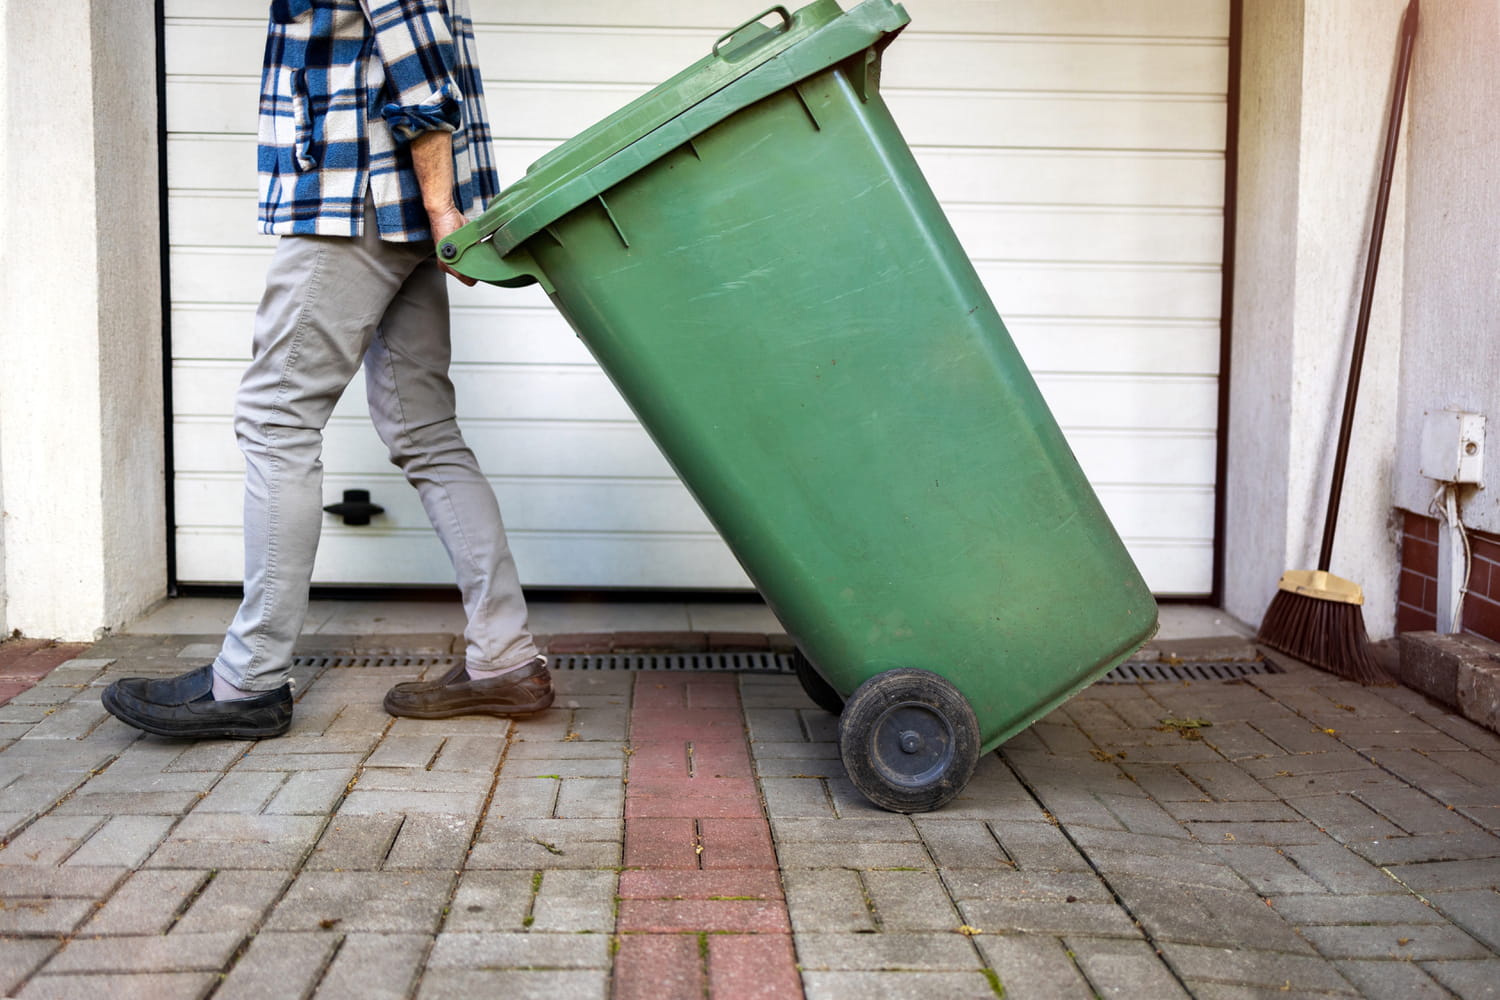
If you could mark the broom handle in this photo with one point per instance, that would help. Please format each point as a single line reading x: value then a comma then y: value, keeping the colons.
x: 1367, y: 294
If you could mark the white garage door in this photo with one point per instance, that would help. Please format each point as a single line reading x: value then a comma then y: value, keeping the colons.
x: 1077, y: 144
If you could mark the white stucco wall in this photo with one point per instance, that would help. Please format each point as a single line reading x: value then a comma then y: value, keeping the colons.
x: 1315, y: 91
x: 1451, y: 358
x: 81, y: 458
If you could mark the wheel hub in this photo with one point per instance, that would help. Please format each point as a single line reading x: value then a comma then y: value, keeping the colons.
x: 911, y: 744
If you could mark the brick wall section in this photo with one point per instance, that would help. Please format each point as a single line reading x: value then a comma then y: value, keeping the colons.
x: 1417, y: 595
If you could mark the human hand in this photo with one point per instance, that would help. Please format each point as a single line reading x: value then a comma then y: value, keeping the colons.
x: 443, y: 223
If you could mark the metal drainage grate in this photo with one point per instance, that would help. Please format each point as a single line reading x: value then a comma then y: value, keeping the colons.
x: 1143, y: 672
x: 409, y: 660
x: 760, y: 662
x: 743, y: 662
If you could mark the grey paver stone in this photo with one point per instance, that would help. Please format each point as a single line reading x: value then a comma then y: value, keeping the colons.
x: 470, y: 752
x: 1241, y: 966
x: 19, y: 958
x: 1331, y: 908
x: 148, y: 903
x: 802, y: 829
x: 900, y: 986
x: 121, y: 986
x: 60, y: 883
x: 1033, y: 965
x: 775, y: 725
x: 233, y: 840
x: 312, y: 793
x: 1402, y: 942
x: 575, y: 900
x: 1476, y: 911
x: 1437, y: 876
x: 1267, y: 870
x: 531, y: 750
x: 798, y: 750
x: 520, y: 951
x: 888, y: 950
x: 209, y: 755
x: 1123, y: 968
x: 375, y: 967
x: 50, y: 840
x: 612, y: 767
x: 523, y: 798
x: 549, y: 984
x: 537, y: 853
x: 1048, y: 917
x: 887, y: 854
x: 406, y: 750
x: 233, y: 901
x: 1141, y: 815
x: 124, y: 841
x: 279, y: 965
x: 962, y: 844
x: 1413, y: 811
x: 1346, y: 818
x: 1195, y: 869
x: 1268, y: 834
x: 910, y: 901
x: 1039, y: 847
x: 825, y: 901
x: 153, y: 954
x: 77, y: 719
x: 1469, y: 980
x: 1198, y: 915
x: 1391, y: 981
x: 23, y: 914
x: 490, y: 901
x: 369, y: 802
x: 429, y: 841
x: 796, y: 797
x: 590, y: 798
x: 1023, y: 885
x: 173, y: 803
x: 353, y: 842
x: 1340, y: 869
x: 390, y: 902
x: 1460, y: 845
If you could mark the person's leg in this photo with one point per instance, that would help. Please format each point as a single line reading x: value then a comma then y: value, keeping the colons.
x: 324, y: 299
x: 413, y: 407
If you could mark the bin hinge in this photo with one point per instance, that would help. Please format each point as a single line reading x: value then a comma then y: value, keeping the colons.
x: 865, y: 74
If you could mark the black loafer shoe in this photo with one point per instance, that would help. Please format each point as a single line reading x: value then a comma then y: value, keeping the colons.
x: 524, y: 690
x: 184, y: 706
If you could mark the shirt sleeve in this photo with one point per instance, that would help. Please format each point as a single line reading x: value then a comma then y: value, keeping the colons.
x: 414, y: 44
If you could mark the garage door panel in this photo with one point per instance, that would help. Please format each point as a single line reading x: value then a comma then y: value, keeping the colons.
x: 1002, y: 232
x: 1054, y: 346
x: 981, y: 118
x: 1129, y: 178
x: 416, y: 558
x: 531, y: 504
x: 525, y: 448
x: 1157, y: 18
x: 522, y: 336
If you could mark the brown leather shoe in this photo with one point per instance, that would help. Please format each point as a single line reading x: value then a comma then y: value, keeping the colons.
x: 522, y: 691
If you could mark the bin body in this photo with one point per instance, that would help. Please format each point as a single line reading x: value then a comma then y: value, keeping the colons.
x: 782, y: 302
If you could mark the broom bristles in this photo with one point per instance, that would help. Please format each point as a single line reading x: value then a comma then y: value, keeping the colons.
x: 1329, y: 635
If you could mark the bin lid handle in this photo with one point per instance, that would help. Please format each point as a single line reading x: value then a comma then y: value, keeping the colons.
x: 786, y: 25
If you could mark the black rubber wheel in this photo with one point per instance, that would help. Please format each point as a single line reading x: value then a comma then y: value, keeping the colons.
x: 820, y: 691
x: 909, y: 740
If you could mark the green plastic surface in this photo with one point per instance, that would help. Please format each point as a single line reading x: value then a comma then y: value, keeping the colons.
x: 783, y: 303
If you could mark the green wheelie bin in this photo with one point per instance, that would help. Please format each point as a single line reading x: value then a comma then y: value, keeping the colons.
x: 753, y: 256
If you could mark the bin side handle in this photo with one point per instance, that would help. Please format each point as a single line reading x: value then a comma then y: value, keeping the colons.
x: 786, y: 25
x: 483, y: 262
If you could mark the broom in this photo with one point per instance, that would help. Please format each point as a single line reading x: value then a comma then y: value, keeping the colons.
x: 1316, y: 616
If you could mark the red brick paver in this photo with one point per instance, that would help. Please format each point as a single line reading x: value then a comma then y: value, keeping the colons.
x: 701, y: 905
x: 23, y: 662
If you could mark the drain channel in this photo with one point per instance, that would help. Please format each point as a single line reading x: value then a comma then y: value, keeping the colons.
x: 763, y: 662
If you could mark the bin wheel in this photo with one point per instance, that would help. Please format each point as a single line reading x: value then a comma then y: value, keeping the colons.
x: 909, y: 740
x: 820, y: 691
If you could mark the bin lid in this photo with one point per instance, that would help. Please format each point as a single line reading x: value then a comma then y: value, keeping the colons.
x: 745, y: 65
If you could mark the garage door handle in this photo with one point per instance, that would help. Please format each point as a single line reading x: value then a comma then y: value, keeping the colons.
x: 356, y: 507
x: 786, y: 24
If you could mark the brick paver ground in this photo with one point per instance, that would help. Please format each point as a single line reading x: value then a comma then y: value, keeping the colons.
x: 695, y: 835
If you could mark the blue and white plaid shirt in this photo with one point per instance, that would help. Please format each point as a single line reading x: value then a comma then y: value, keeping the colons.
x: 347, y: 85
